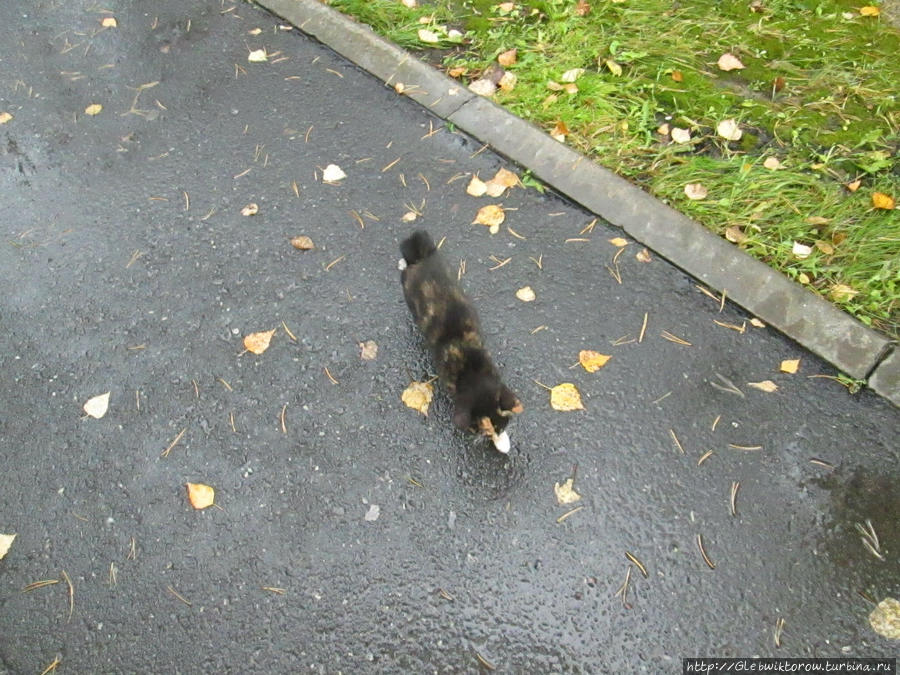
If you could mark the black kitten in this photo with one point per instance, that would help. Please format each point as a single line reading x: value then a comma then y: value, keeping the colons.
x: 482, y: 403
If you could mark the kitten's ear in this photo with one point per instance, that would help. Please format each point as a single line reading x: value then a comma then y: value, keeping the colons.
x: 509, y: 404
x: 462, y: 417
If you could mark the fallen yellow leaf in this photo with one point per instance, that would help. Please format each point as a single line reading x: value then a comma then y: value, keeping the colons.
x: 592, y: 361
x: 258, y: 342
x: 854, y: 186
x: 476, y: 187
x: 565, y: 493
x: 790, y: 366
x: 884, y: 619
x: 109, y: 22
x: 695, y: 191
x: 766, y: 385
x: 643, y: 256
x: 842, y: 292
x: 560, y: 131
x: 565, y: 397
x: 250, y: 210
x: 508, y: 81
x: 614, y: 67
x: 6, y: 541
x: 93, y: 109
x: 96, y: 407
x: 618, y: 242
x: 680, y: 135
x: 418, y: 396
x: 882, y: 201
x: 200, y: 496
x: 5, y: 117
x: 368, y: 350
x: 491, y: 215
x: 508, y: 57
x: 869, y: 10
x: 728, y: 62
x: 303, y: 243
x: 526, y: 294
x: 258, y: 56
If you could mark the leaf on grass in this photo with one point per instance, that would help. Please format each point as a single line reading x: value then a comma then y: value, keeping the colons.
x: 565, y: 397
x: 258, y: 56
x: 96, y: 407
x: 554, y: 86
x: 882, y: 201
x: 418, y: 396
x: 735, y: 235
x: 368, y: 350
x: 842, y: 292
x: 790, y: 366
x: 766, y: 385
x: 428, y: 36
x: 565, y: 493
x: 200, y: 496
x: 508, y: 57
x: 508, y: 81
x: 6, y: 541
x: 618, y: 242
x: 884, y: 619
x: 680, y: 135
x: 483, y: 87
x: 614, y: 67
x: 258, y: 342
x: 729, y: 61
x: 109, y: 22
x: 677, y: 76
x: 729, y: 130
x: 801, y: 251
x: 250, y: 210
x: 663, y: 129
x: 772, y: 163
x: 5, y: 117
x: 572, y: 75
x: 526, y: 294
x: 491, y: 215
x: 695, y: 191
x: 93, y: 109
x: 824, y: 246
x: 560, y: 131
x: 333, y: 174
x: 303, y: 243
x: 458, y: 71
x: 853, y: 186
x: 817, y: 220
x: 592, y: 361
x: 582, y: 8
x: 869, y: 10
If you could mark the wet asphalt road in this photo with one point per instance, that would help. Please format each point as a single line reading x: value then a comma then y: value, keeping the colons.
x: 128, y: 267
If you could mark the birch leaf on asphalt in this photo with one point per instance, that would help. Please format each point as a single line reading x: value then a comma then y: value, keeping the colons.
x: 109, y: 22
x: 250, y: 210
x: 258, y: 342
x: 96, y: 407
x: 476, y: 187
x: 418, y: 396
x: 6, y: 541
x: 565, y: 493
x: 592, y: 361
x: 5, y: 117
x: 790, y: 366
x: 884, y: 619
x: 93, y: 109
x: 766, y: 385
x: 526, y: 294
x: 200, y: 496
x: 368, y: 350
x: 258, y: 56
x: 333, y: 173
x: 565, y: 397
x: 491, y: 215
x: 303, y: 243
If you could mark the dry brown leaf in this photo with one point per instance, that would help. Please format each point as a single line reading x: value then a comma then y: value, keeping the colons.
x: 817, y: 220
x: 109, y: 22
x: 695, y: 191
x: 729, y: 61
x: 418, y: 396
x: 680, y: 135
x: 93, y: 109
x: 303, y: 243
x: 483, y: 87
x: 368, y: 350
x: 6, y: 541
x: 592, y: 361
x: 96, y: 407
x: 458, y: 71
x: 735, y: 235
x: 884, y: 619
x: 729, y: 130
x: 766, y: 385
x: 854, y: 186
x: 476, y: 187
x: 491, y: 215
x: 250, y: 210
x: 565, y: 397
x: 618, y: 242
x: 5, y: 117
x: 824, y: 246
x: 869, y: 10
x: 508, y: 57
x: 677, y: 76
x: 842, y: 292
x: 882, y: 201
x: 258, y: 342
x: 526, y: 294
x: 565, y: 493
x: 790, y: 366
x: 200, y: 496
x: 258, y: 56
x: 643, y: 256
x: 333, y: 174
x: 560, y: 131
x: 772, y: 163
x: 663, y: 129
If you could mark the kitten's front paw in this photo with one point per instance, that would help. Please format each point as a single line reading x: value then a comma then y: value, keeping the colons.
x: 501, y: 442
x: 401, y: 264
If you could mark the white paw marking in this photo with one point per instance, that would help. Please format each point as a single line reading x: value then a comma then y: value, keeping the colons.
x: 501, y: 442
x: 401, y: 264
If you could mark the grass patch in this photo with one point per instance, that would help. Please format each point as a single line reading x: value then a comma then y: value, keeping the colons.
x: 818, y: 93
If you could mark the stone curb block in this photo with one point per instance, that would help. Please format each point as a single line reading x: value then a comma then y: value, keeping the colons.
x: 359, y: 44
x: 798, y: 313
x: 886, y: 378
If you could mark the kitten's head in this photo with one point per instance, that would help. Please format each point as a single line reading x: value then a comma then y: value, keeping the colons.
x: 484, y: 406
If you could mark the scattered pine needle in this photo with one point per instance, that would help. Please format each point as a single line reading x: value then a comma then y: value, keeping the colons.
x: 273, y: 589
x: 740, y: 329
x: 445, y: 594
x: 663, y: 397
x: 538, y: 329
x: 779, y: 627
x: 706, y: 559
x: 516, y: 234
x: 132, y: 551
x: 334, y: 262
x: 391, y: 165
x: 484, y: 662
x: 727, y: 386
x: 113, y: 571
x: 722, y: 301
x: 177, y: 595
x: 334, y: 72
x: 243, y: 173
x: 674, y: 338
x: 706, y: 292
x: 706, y: 455
x: 569, y: 513
x: 71, y: 594
x: 624, y: 340
x: 80, y: 517
x: 541, y: 384
x: 589, y: 227
x: 55, y: 662
x: 431, y: 131
x: 500, y: 263
x: 165, y: 453
x: 461, y: 270
x: 677, y: 442
x: 358, y: 219
x: 288, y: 331
x: 623, y: 589
x: 715, y: 423
x: 735, y: 486
x: 822, y: 463
x: 479, y: 151
x: 231, y: 420
x: 576, y: 239
x: 208, y: 215
x: 283, y: 427
x: 308, y: 132
x: 539, y: 262
x: 134, y: 258
x: 187, y: 200
x: 330, y: 376
x: 34, y: 585
x: 413, y: 481
x: 425, y: 180
x: 295, y: 188
x: 639, y: 564
x: 456, y: 177
x: 643, y: 327
x: 196, y: 389
x: 744, y: 447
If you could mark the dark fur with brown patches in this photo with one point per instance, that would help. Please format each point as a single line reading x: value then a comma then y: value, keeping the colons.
x: 447, y: 319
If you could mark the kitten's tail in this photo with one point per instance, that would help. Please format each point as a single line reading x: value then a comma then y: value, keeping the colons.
x: 417, y: 247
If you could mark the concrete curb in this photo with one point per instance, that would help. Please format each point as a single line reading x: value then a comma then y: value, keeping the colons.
x: 798, y: 313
